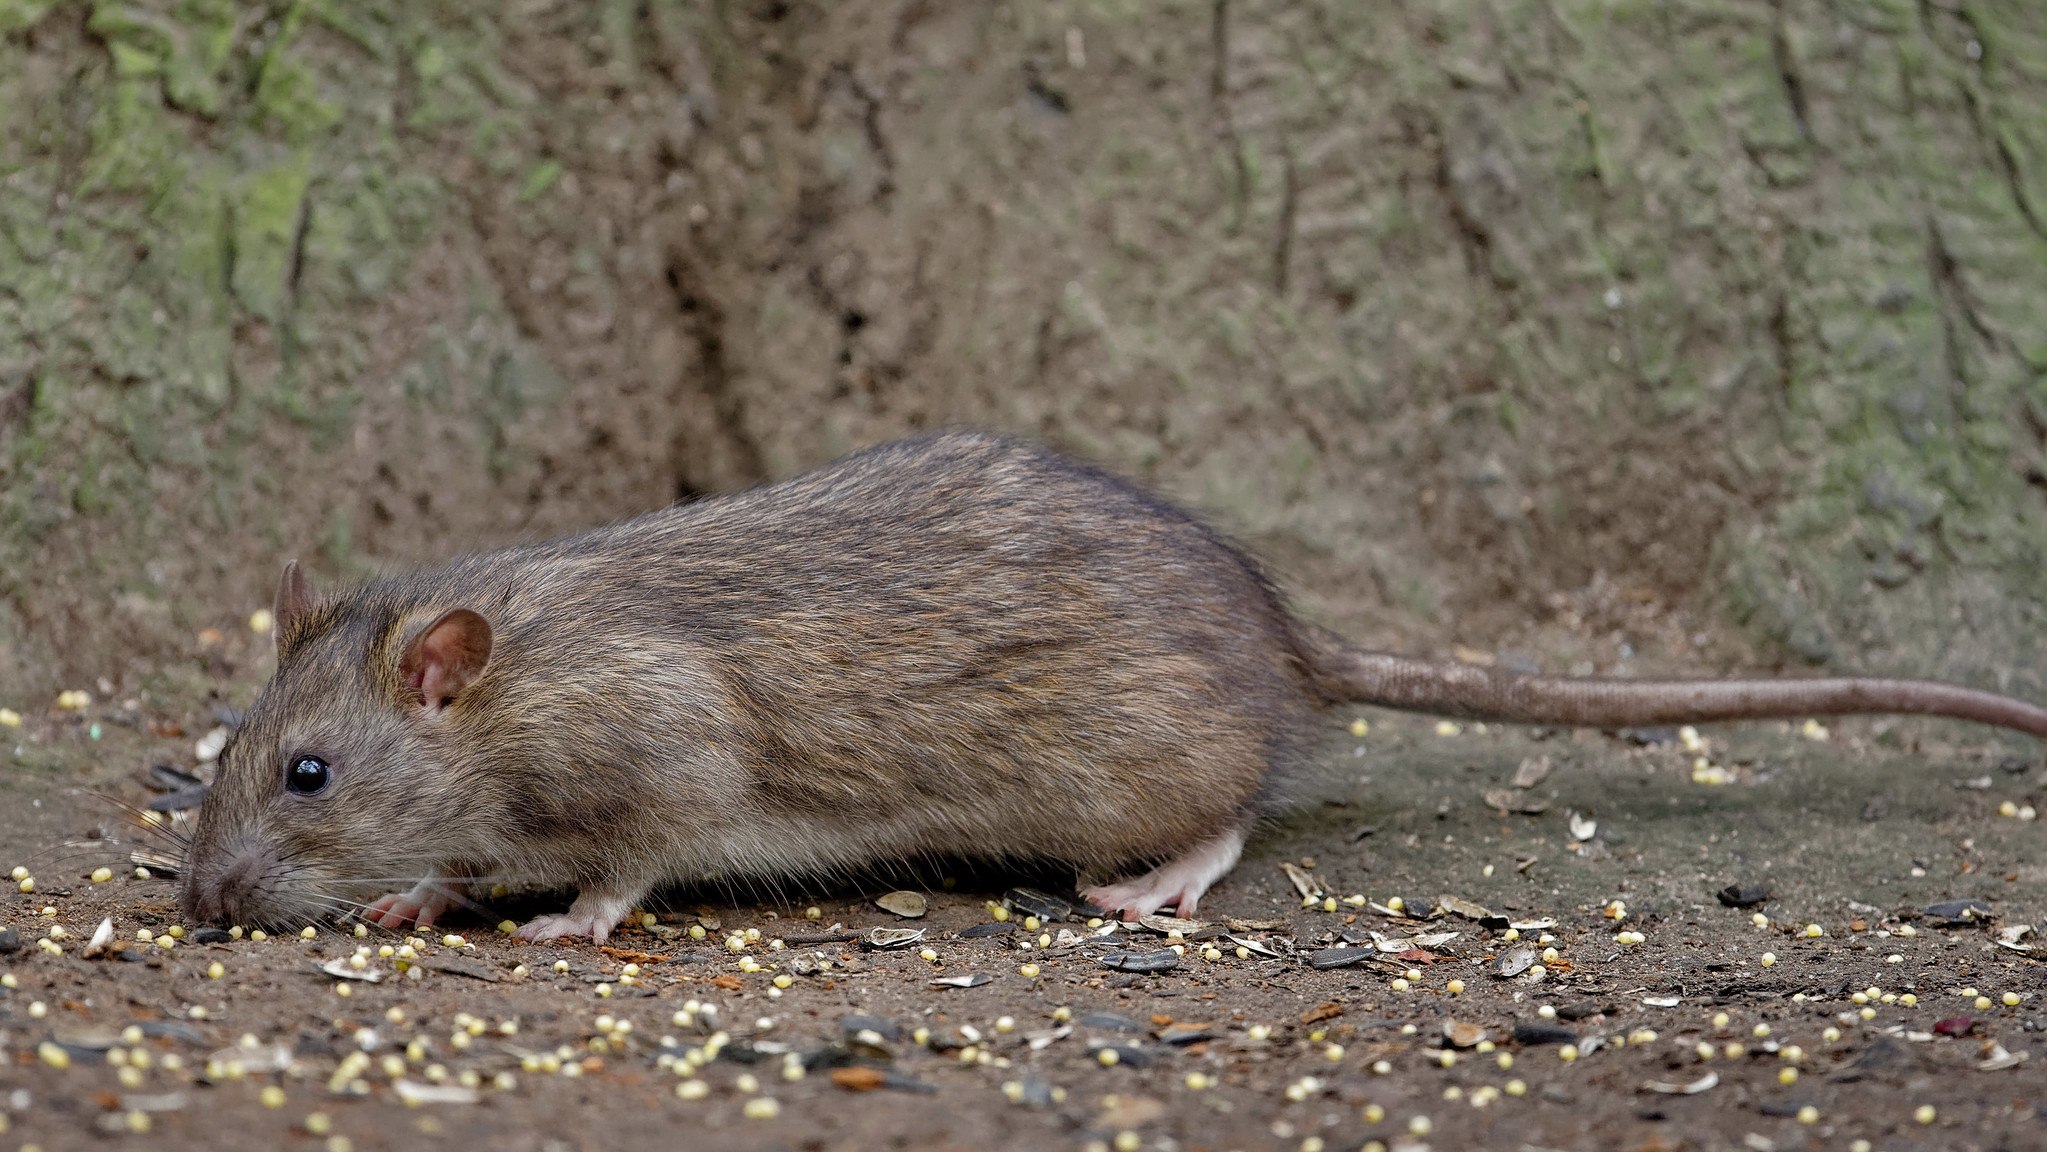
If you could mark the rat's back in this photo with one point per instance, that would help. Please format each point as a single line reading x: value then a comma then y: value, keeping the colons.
x: 958, y: 645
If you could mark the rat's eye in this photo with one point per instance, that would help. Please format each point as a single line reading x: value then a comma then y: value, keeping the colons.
x: 307, y: 775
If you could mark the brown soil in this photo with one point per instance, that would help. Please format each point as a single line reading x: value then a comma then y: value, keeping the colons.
x: 1856, y: 835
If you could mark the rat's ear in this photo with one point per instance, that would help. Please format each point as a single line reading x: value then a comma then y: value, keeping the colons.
x: 444, y: 658
x: 294, y: 600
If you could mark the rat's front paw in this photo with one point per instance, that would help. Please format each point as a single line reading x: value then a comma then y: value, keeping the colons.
x: 591, y: 915
x: 420, y: 906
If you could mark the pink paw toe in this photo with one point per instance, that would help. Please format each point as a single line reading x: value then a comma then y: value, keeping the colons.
x: 566, y: 924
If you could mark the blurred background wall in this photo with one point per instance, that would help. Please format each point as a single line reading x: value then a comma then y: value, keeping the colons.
x: 1622, y: 335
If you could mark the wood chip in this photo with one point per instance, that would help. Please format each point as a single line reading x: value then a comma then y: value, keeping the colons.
x: 340, y: 970
x: 1463, y: 907
x: 1998, y: 1059
x: 1702, y: 1084
x: 461, y: 966
x: 858, y: 1079
x: 1462, y: 1034
x: 1508, y: 801
x: 631, y: 956
x: 1041, y: 1040
x: 1129, y: 1112
x: 1533, y: 770
x: 414, y: 1093
x: 102, y: 936
x: 1303, y: 882
x: 1329, y: 1011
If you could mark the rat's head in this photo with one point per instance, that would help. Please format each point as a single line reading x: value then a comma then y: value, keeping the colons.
x: 341, y: 783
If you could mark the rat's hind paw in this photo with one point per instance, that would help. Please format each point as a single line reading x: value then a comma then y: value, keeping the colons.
x: 591, y: 915
x: 422, y: 905
x: 1178, y: 883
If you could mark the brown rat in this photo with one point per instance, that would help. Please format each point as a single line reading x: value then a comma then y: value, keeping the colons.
x: 959, y: 646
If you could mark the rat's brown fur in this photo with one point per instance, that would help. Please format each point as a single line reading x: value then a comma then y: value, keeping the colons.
x: 961, y: 646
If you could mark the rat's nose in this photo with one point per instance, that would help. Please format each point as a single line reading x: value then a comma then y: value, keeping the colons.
x: 219, y: 896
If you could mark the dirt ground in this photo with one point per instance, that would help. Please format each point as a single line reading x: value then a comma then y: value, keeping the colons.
x: 1856, y: 834
x: 1703, y: 335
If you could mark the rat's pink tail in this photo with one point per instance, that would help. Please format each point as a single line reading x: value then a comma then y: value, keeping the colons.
x: 1356, y: 675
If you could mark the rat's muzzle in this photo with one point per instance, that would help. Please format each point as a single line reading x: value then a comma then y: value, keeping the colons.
x: 230, y: 891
